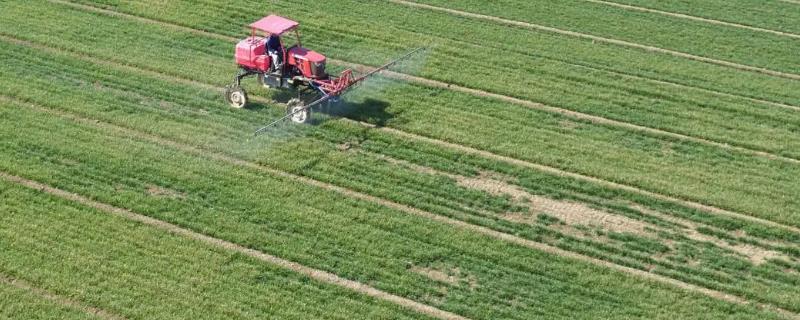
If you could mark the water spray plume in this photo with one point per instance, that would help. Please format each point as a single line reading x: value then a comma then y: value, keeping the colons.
x: 332, y: 89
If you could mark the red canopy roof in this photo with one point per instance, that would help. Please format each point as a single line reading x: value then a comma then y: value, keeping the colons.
x: 274, y: 24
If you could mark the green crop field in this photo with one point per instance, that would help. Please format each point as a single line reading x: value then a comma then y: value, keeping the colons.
x: 540, y: 159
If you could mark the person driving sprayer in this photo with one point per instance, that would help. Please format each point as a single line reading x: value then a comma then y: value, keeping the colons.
x: 275, y: 52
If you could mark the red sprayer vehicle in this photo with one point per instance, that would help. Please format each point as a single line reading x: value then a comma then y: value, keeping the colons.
x: 294, y: 67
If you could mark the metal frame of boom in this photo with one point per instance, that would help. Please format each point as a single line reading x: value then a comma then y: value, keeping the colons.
x: 335, y: 92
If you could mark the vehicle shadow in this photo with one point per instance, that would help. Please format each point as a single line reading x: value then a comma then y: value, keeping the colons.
x: 369, y: 110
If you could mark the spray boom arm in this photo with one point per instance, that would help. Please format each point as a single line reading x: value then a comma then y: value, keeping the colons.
x: 337, y: 86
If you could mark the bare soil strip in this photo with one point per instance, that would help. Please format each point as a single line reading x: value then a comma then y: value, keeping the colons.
x: 695, y: 18
x: 483, y: 153
x: 20, y: 284
x: 328, y: 277
x: 456, y: 88
x: 318, y: 275
x: 602, y: 39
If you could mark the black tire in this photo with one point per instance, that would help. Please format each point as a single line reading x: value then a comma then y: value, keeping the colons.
x: 236, y: 96
x: 293, y: 107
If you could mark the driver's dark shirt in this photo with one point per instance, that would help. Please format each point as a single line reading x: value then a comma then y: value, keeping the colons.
x: 273, y: 43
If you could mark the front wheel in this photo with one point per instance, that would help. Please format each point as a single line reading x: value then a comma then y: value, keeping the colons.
x: 296, y: 109
x: 236, y: 96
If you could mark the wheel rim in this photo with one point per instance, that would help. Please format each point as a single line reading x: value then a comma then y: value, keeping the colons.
x: 237, y: 99
x: 298, y: 115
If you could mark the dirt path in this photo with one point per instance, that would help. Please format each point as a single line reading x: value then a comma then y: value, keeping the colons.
x: 463, y: 148
x: 72, y: 304
x: 316, y: 274
x: 695, y: 18
x: 602, y: 39
x: 481, y: 93
x: 323, y: 276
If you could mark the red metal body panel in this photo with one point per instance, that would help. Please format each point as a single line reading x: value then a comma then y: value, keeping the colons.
x: 334, y: 86
x: 263, y: 63
x: 250, y: 53
x: 274, y: 24
x: 310, y: 63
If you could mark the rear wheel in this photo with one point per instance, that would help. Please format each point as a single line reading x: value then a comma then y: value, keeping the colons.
x: 236, y: 96
x: 298, y: 114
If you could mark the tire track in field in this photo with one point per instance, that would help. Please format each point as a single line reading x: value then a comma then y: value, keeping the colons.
x: 695, y: 18
x: 64, y: 301
x: 319, y: 275
x: 471, y: 91
x: 617, y: 42
x: 450, y: 145
x: 790, y: 1
x: 325, y: 276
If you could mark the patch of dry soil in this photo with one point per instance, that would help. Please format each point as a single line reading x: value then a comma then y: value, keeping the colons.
x: 158, y: 191
x: 572, y: 213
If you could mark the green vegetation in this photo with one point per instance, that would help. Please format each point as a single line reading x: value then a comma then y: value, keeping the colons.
x: 775, y: 15
x: 694, y: 37
x: 141, y: 272
x: 18, y: 303
x: 744, y: 183
x: 318, y: 155
x: 79, y: 120
x: 321, y: 229
x: 575, y: 83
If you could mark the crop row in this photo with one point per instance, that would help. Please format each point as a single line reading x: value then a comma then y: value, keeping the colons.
x: 707, y: 40
x: 216, y: 129
x: 473, y: 38
x: 774, y: 15
x: 50, y: 241
x: 562, y: 83
x: 19, y: 303
x: 169, y: 105
x: 197, y: 131
x: 752, y: 206
x: 122, y: 88
x: 357, y: 240
x: 645, y: 160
